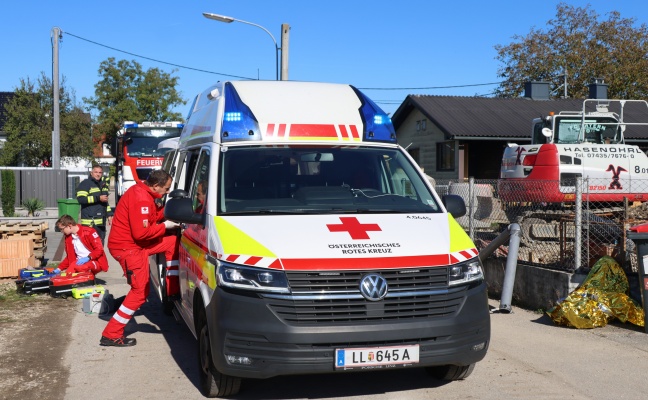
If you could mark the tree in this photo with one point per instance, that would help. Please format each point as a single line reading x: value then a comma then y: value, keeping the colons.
x: 30, y: 121
x: 586, y: 47
x: 127, y: 93
x: 8, y: 195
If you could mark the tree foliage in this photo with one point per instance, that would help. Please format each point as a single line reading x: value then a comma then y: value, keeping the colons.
x: 8, y: 196
x: 128, y: 93
x: 29, y: 124
x: 584, y: 45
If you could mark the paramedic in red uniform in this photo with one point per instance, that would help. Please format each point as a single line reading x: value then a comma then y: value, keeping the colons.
x: 137, y: 231
x: 84, y: 249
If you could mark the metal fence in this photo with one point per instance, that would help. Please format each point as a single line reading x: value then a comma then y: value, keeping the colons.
x: 43, y: 183
x: 567, y: 235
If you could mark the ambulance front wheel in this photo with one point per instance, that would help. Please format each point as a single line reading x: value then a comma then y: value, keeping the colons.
x: 212, y: 382
x: 450, y: 372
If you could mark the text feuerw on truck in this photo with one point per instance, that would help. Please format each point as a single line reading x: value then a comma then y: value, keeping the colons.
x: 313, y: 243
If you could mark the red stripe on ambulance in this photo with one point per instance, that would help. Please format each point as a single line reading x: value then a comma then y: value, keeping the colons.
x: 313, y: 130
x: 308, y: 264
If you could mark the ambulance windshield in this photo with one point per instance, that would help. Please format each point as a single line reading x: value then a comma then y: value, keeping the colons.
x: 320, y: 180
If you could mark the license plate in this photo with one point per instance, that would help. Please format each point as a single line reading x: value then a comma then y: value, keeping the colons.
x: 376, y: 356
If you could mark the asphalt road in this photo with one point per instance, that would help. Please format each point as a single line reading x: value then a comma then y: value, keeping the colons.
x: 529, y: 358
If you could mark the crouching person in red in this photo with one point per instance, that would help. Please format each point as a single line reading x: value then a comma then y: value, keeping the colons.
x: 137, y: 231
x: 83, y: 248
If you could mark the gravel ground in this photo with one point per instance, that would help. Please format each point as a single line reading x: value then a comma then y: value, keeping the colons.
x: 34, y: 335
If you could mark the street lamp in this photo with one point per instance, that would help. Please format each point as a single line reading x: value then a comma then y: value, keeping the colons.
x: 228, y: 20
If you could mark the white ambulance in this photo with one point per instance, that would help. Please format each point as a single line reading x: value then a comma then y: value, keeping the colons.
x: 312, y: 242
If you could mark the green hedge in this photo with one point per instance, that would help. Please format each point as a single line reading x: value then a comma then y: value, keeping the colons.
x: 8, y: 192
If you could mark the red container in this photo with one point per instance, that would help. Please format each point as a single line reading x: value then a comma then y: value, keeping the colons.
x: 62, y: 285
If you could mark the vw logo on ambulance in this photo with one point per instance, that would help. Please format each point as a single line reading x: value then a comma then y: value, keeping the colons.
x: 373, y: 287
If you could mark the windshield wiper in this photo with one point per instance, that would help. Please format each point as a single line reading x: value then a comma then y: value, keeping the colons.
x: 379, y: 211
x: 270, y: 211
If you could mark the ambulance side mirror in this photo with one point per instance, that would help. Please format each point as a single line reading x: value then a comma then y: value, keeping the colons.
x: 180, y: 209
x: 454, y: 204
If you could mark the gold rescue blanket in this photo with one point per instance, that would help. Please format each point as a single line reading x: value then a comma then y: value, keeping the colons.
x: 602, y: 297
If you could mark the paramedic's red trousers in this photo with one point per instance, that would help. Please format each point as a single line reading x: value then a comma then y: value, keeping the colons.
x: 135, y: 264
x: 90, y: 266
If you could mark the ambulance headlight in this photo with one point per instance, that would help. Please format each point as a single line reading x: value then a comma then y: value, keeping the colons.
x: 249, y: 278
x: 469, y: 271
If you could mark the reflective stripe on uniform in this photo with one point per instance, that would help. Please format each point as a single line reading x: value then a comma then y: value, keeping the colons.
x: 121, y: 319
x: 126, y: 310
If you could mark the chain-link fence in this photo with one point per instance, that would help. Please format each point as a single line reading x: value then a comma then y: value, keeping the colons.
x: 558, y: 230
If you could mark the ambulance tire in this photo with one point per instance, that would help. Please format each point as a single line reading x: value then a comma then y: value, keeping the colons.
x: 450, y: 372
x: 212, y: 382
x: 167, y: 303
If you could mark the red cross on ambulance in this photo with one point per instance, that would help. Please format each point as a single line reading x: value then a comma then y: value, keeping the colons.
x: 354, y: 227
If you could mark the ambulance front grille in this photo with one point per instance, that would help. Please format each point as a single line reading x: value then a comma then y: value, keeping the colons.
x: 334, y: 297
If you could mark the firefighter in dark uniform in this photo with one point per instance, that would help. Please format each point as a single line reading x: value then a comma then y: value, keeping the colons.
x: 92, y: 194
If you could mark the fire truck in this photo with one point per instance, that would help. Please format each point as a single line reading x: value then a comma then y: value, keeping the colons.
x: 137, y: 153
x: 589, y: 144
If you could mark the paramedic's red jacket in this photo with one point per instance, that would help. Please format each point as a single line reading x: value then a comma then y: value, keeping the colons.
x: 92, y: 241
x: 137, y: 220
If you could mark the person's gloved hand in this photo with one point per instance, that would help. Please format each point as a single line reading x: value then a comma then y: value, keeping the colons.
x: 56, y: 271
x: 170, y: 224
x: 83, y: 260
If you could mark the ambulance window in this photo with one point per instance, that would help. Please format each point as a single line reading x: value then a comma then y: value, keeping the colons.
x: 191, y: 161
x: 199, y: 185
x: 168, y: 162
x: 400, y: 182
x: 179, y: 177
x: 320, y: 180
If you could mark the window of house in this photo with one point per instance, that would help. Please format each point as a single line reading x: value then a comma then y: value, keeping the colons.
x: 445, y: 152
x: 416, y: 155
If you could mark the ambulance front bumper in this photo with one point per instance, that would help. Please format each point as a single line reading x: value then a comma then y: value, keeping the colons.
x: 249, y: 327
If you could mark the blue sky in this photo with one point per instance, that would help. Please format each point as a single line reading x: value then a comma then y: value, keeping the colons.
x: 369, y: 44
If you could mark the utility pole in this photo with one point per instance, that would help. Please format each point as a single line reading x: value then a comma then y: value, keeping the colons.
x: 56, y: 130
x: 565, y: 75
x: 285, y: 39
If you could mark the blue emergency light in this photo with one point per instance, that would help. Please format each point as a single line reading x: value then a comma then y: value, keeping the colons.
x: 378, y: 125
x: 239, y: 123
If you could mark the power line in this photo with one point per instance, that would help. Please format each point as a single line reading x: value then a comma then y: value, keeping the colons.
x: 245, y: 77
x: 435, y: 87
x: 156, y: 60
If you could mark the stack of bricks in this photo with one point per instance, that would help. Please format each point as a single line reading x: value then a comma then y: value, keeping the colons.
x: 22, y: 245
